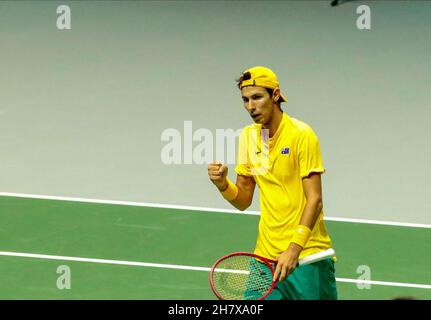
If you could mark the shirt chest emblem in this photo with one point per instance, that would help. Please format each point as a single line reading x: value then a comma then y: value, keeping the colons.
x: 285, y: 151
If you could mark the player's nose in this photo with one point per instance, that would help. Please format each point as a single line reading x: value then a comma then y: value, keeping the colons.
x: 251, y: 107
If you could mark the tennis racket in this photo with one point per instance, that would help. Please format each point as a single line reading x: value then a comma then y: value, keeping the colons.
x: 247, y: 276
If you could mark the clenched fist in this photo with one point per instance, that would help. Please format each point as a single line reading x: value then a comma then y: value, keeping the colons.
x: 217, y: 172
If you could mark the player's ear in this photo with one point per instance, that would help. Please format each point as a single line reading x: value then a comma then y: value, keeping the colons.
x: 276, y: 95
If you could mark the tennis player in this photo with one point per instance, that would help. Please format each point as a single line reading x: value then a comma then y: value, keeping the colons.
x: 282, y: 156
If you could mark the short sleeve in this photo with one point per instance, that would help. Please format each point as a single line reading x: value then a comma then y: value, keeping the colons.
x: 310, y: 157
x: 243, y: 165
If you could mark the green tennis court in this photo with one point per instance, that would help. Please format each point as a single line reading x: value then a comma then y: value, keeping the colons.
x: 116, y: 251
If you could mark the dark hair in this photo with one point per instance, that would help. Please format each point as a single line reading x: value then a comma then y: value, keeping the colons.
x: 244, y: 76
x: 271, y: 92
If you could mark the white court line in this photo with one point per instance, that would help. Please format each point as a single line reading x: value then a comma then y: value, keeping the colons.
x: 385, y: 283
x: 204, y: 209
x: 103, y: 261
x: 180, y: 267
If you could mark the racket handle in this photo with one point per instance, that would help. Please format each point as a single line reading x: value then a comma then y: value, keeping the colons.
x: 316, y: 257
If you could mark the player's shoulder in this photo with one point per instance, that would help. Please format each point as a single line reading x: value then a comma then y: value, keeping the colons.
x: 251, y: 127
x: 300, y: 127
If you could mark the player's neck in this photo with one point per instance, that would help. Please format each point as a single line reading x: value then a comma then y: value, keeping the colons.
x: 273, y: 125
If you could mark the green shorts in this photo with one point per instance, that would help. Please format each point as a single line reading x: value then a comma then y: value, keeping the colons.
x: 315, y: 281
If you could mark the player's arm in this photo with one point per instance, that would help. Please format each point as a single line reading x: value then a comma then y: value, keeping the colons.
x: 242, y: 197
x: 288, y: 260
x: 312, y: 186
x: 245, y: 187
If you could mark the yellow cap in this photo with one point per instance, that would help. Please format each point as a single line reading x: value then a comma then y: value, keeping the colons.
x: 261, y: 77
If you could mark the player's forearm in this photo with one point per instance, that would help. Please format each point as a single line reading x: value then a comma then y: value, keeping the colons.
x: 311, y: 211
x: 308, y: 219
x: 242, y: 200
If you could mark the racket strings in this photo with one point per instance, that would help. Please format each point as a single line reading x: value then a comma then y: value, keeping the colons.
x: 242, y: 278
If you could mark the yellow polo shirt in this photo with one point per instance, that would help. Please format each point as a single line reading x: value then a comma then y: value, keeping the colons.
x: 278, y: 165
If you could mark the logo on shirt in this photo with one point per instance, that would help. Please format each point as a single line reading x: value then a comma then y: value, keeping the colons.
x: 285, y: 150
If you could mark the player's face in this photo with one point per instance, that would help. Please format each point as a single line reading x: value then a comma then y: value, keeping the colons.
x: 258, y: 103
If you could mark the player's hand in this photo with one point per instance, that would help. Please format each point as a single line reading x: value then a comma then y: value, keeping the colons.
x: 217, y: 172
x: 287, y: 262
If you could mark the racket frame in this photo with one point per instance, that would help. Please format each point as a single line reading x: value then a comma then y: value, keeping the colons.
x: 267, y: 262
